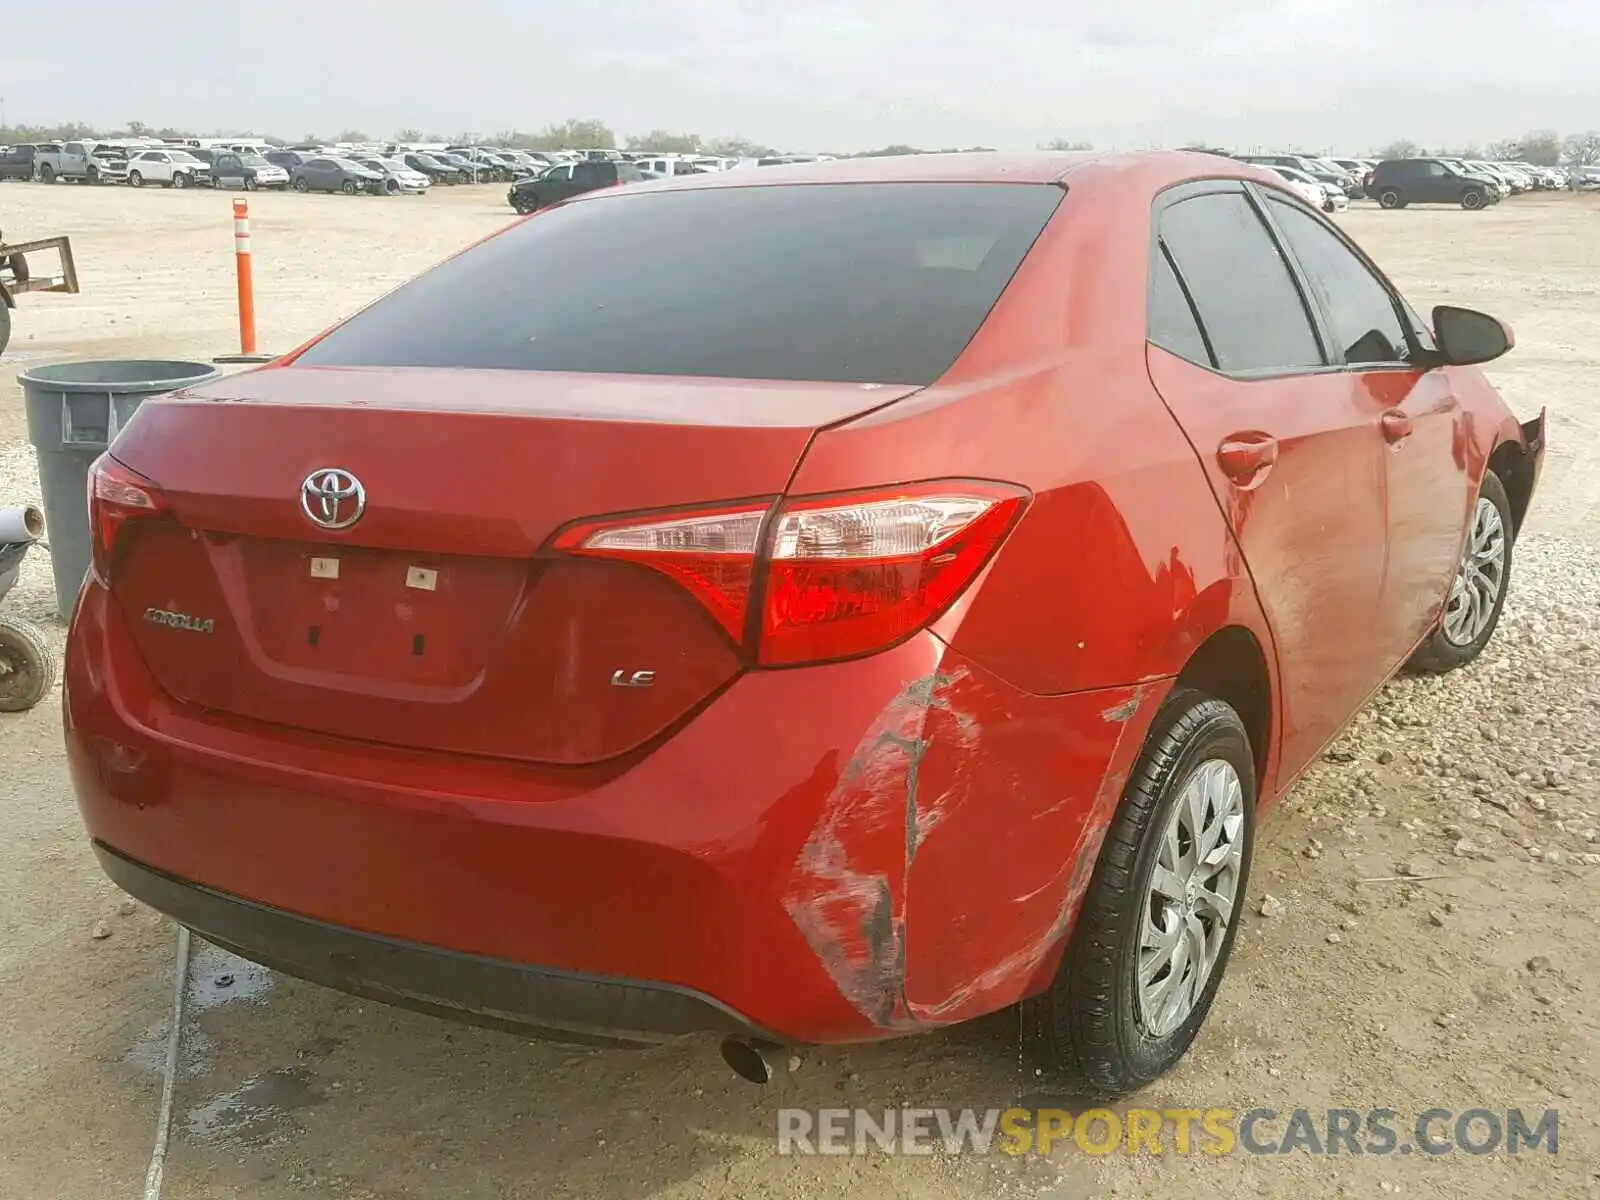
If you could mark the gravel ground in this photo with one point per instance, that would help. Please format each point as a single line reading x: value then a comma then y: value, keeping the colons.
x: 1422, y: 925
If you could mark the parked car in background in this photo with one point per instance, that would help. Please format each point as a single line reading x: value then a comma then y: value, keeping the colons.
x: 472, y: 172
x: 325, y: 173
x: 1359, y: 169
x: 1515, y: 182
x: 436, y: 169
x: 1314, y: 192
x: 287, y: 160
x: 80, y: 162
x: 169, y: 167
x: 398, y: 178
x: 1399, y: 182
x: 505, y: 752
x: 525, y: 162
x: 17, y: 163
x: 486, y: 166
x: 667, y: 166
x: 249, y: 172
x: 1321, y: 172
x: 566, y: 180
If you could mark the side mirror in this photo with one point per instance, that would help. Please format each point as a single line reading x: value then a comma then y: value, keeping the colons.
x: 1465, y: 336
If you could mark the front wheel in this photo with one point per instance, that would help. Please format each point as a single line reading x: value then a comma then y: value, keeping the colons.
x: 180, y: 179
x: 250, y: 184
x: 5, y: 325
x: 135, y: 179
x: 1153, y: 934
x: 349, y: 187
x: 27, y: 665
x: 1471, y: 200
x: 1478, y: 590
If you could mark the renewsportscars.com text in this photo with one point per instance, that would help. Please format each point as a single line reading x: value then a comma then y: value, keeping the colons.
x: 1431, y: 1132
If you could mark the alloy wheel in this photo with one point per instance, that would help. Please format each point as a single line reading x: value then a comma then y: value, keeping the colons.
x: 1479, y: 578
x: 1192, y: 898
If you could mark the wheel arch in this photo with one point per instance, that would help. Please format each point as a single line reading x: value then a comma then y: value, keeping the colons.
x: 1513, y: 465
x: 1231, y: 665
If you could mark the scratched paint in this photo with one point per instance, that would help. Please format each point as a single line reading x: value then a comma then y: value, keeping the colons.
x: 847, y: 895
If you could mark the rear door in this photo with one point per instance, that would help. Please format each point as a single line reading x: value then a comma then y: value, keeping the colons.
x: 1421, y: 419
x: 1290, y: 446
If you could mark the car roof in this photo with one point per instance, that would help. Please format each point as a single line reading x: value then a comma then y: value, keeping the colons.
x: 1152, y: 170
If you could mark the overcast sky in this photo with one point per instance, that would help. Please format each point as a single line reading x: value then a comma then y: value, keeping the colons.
x: 809, y: 75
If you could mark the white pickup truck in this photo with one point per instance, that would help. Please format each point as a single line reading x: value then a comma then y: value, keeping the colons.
x: 84, y: 162
x: 168, y: 166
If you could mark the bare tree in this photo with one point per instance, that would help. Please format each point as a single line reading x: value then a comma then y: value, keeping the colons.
x: 1582, y: 149
x: 1542, y: 147
x: 665, y: 142
x: 1400, y: 149
x: 1065, y: 144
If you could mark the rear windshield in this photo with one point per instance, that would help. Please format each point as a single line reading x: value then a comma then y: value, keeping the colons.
x: 852, y: 283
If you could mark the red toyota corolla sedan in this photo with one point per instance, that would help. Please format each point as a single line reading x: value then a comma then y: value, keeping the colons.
x: 812, y: 604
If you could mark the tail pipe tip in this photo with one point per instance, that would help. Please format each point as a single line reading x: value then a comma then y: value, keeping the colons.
x: 749, y: 1059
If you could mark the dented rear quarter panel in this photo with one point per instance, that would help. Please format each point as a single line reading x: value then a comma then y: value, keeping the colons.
x: 957, y: 840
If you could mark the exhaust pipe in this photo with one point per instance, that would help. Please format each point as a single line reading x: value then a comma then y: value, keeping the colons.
x: 747, y: 1059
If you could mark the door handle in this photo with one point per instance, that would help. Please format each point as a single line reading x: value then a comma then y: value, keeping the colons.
x: 1244, y: 456
x: 1396, y: 426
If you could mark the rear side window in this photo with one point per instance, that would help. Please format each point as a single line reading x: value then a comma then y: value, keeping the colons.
x: 1360, y: 308
x: 1247, y: 300
x: 1172, y: 321
x: 854, y: 283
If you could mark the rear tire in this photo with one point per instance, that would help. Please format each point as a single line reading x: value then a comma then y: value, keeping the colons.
x: 1478, y: 590
x: 5, y: 326
x: 1389, y: 198
x: 1102, y: 1027
x: 27, y: 665
x: 300, y: 185
x: 47, y: 174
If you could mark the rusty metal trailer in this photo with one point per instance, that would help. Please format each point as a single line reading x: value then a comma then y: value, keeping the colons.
x: 18, y: 275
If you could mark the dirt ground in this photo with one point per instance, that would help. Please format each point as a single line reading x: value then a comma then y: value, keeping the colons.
x: 1477, y: 987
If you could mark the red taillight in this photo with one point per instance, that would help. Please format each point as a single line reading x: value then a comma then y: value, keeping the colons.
x: 116, y: 496
x: 837, y: 576
x: 711, y: 553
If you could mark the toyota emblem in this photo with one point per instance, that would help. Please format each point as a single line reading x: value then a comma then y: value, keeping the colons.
x: 332, y: 498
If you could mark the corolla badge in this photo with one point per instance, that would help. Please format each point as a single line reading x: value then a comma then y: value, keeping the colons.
x: 178, y: 620
x: 333, y: 498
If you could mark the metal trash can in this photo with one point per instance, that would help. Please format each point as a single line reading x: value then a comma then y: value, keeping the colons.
x: 74, y: 412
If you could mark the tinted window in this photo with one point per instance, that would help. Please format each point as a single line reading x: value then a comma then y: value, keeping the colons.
x: 880, y: 283
x: 1240, y: 284
x: 1172, y: 321
x: 1366, y: 328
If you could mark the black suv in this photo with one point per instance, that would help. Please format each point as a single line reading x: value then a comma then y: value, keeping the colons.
x: 17, y: 163
x: 569, y: 179
x: 1397, y: 182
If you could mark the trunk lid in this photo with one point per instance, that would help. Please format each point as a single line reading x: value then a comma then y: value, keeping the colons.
x: 435, y: 620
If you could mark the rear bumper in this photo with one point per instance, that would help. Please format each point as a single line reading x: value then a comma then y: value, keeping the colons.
x: 483, y: 991
x: 826, y: 854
